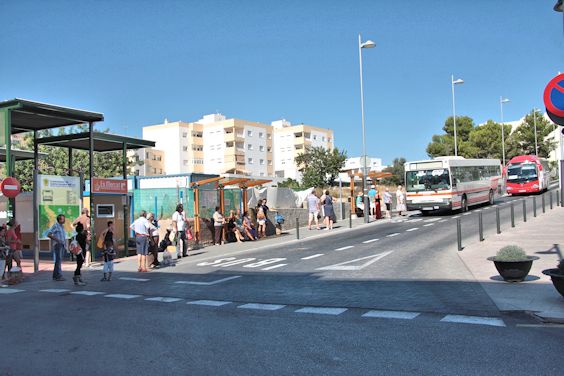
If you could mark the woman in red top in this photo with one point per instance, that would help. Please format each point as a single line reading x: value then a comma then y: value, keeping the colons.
x: 14, y: 241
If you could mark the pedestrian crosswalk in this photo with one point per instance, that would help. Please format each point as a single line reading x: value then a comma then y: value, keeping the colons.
x: 271, y: 307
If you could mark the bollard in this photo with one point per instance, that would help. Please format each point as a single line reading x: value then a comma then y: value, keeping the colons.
x: 512, y: 215
x: 459, y: 234
x: 524, y: 210
x: 543, y: 203
x: 534, y: 206
x: 497, y: 221
x: 557, y: 197
x: 481, y: 227
x: 350, y: 219
x: 297, y: 228
x: 550, y: 195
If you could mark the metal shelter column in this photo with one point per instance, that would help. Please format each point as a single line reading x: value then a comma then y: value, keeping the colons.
x: 125, y: 206
x: 36, y: 240
x: 91, y: 175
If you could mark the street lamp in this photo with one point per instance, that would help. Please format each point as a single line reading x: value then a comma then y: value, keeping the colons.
x: 361, y: 45
x: 535, y: 125
x: 501, y: 102
x: 454, y: 82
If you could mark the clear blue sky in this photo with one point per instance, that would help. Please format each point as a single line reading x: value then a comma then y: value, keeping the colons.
x: 141, y: 61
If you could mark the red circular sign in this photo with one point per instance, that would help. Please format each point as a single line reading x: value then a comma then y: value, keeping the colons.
x: 10, y: 187
x: 554, y: 96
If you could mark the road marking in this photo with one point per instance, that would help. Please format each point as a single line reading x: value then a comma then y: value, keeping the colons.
x: 9, y: 291
x: 495, y: 206
x: 134, y: 279
x: 55, y: 290
x: 345, y: 265
x: 466, y: 213
x: 431, y: 220
x: 163, y: 299
x: 477, y: 210
x: 415, y: 220
x: 322, y: 310
x: 312, y: 256
x: 429, y: 224
x: 121, y: 296
x: 493, y: 321
x: 370, y: 241
x: 213, y: 303
x: 487, y: 208
x: 266, y: 307
x: 412, y: 229
x: 442, y: 220
x: 392, y: 314
x: 264, y: 263
x: 235, y: 262
x: 456, y: 217
x: 274, y: 266
x: 343, y: 248
x: 198, y: 283
x: 392, y: 235
x: 87, y: 293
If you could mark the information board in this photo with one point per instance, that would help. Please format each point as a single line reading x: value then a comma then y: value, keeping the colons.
x: 57, y: 195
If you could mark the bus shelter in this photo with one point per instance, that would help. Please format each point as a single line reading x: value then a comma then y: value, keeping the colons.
x: 21, y: 116
x: 373, y: 175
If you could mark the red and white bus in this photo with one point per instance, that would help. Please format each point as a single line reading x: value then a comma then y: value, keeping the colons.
x: 527, y: 174
x: 451, y: 183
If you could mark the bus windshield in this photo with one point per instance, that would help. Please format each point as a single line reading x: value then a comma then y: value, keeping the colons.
x: 428, y: 180
x: 522, y: 173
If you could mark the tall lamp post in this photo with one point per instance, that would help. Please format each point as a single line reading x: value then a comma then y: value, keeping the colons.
x: 535, y: 125
x: 361, y: 45
x: 454, y: 82
x: 501, y: 102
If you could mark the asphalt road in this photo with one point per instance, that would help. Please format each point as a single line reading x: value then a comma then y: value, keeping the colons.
x: 387, y: 298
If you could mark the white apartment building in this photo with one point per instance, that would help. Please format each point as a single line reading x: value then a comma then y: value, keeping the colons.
x: 292, y: 140
x: 355, y: 164
x: 146, y: 162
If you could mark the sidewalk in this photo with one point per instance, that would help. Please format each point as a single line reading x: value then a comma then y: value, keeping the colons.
x: 536, y: 294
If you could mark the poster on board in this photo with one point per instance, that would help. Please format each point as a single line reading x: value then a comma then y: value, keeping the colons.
x: 57, y: 195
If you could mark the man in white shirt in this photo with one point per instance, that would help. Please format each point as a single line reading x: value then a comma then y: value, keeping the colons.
x: 142, y: 228
x: 180, y: 225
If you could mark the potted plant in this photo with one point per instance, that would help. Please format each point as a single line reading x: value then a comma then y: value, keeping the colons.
x: 512, y: 263
x: 557, y: 276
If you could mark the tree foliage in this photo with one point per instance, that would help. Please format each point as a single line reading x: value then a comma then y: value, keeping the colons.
x: 484, y: 141
x: 319, y: 166
x: 56, y: 161
x: 398, y: 172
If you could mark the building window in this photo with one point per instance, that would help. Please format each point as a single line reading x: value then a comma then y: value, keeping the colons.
x: 250, y: 133
x: 146, y: 155
x: 261, y: 148
x: 261, y: 134
x: 262, y: 174
x: 160, y: 171
x: 269, y: 136
x: 249, y: 147
x: 184, y: 134
x: 268, y: 149
x: 185, y: 148
x: 323, y: 138
x: 185, y: 162
x: 315, y: 137
x: 261, y: 162
x: 250, y: 160
x: 270, y: 162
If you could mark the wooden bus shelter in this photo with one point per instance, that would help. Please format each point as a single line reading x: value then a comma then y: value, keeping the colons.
x: 371, y: 175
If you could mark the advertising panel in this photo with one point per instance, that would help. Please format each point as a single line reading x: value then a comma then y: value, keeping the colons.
x: 57, y: 195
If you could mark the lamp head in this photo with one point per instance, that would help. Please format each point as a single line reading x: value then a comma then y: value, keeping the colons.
x: 559, y: 6
x: 458, y: 81
x: 504, y: 100
x: 368, y: 44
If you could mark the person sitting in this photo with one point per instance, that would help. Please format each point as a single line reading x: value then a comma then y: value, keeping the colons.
x: 233, y: 233
x: 248, y: 228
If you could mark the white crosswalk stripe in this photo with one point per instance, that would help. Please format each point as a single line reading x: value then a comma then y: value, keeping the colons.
x: 322, y: 310
x: 412, y: 229
x: 392, y: 314
x: 265, y: 307
x: 88, y: 293
x: 163, y: 299
x: 493, y: 321
x: 213, y: 303
x: 370, y: 241
x: 9, y: 291
x: 312, y: 256
x: 122, y: 296
x: 343, y: 248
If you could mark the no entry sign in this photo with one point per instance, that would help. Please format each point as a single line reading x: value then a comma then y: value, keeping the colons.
x: 10, y: 187
x: 554, y: 99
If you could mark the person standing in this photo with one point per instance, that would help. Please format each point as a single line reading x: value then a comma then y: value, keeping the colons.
x: 400, y: 200
x: 154, y: 240
x: 388, y: 203
x: 218, y: 221
x: 142, y: 229
x: 372, y: 192
x: 81, y: 240
x: 15, y: 243
x: 58, y: 237
x: 328, y: 211
x: 313, y: 210
x: 84, y: 219
x: 180, y: 225
x: 108, y: 252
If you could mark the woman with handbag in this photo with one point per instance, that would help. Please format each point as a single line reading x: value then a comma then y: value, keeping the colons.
x: 154, y: 240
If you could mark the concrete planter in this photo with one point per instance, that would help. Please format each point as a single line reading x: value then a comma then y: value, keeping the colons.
x: 557, y: 279
x: 513, y: 271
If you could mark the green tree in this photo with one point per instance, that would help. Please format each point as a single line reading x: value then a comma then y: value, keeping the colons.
x: 398, y: 172
x: 442, y: 145
x: 289, y: 183
x: 485, y: 141
x: 319, y: 166
x: 525, y: 135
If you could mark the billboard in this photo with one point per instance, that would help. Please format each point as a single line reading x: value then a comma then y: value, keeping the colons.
x: 57, y: 195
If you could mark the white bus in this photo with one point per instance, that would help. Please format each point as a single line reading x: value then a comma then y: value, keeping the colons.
x: 451, y: 183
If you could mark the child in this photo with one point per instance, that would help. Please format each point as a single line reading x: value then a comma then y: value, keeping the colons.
x: 261, y: 221
x: 163, y: 245
x: 109, y: 254
x: 81, y: 239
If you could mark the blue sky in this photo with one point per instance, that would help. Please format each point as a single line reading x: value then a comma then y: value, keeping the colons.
x: 141, y: 61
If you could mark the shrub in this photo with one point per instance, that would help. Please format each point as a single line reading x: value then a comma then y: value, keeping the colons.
x: 511, y: 253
